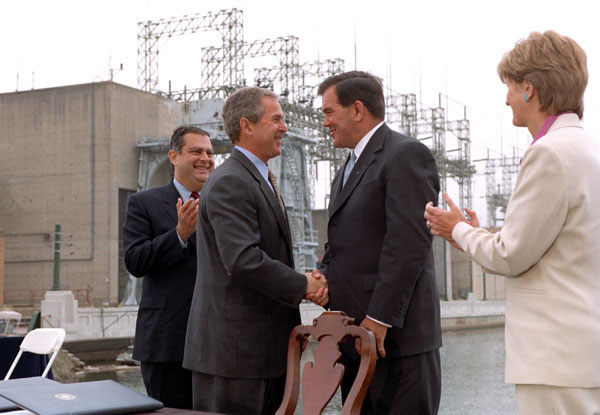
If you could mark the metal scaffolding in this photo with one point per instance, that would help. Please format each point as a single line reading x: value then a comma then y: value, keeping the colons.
x: 222, y: 68
x: 497, y: 195
x: 307, y: 141
x: 430, y: 126
x: 226, y: 66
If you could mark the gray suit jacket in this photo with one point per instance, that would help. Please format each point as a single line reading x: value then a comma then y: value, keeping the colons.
x: 247, y: 293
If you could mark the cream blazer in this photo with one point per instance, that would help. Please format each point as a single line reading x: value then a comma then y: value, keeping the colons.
x: 549, y: 247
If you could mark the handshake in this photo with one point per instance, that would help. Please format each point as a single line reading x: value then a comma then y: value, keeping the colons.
x: 316, y: 288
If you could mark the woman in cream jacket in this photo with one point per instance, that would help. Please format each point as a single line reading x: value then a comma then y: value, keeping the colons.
x: 549, y: 246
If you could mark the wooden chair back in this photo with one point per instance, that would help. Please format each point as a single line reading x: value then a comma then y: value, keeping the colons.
x: 321, y: 378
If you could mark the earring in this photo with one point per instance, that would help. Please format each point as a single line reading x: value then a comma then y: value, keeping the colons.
x: 526, y: 97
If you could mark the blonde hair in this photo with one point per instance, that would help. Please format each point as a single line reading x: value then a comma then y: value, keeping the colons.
x: 555, y: 65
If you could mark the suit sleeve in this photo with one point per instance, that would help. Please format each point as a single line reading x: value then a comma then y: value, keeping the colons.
x: 535, y: 215
x: 327, y: 254
x: 231, y: 210
x: 146, y: 253
x: 411, y: 182
x: 325, y: 262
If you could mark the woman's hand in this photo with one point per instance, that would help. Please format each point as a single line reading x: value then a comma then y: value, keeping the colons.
x: 441, y: 222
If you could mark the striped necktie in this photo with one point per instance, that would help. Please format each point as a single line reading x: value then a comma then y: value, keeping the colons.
x: 273, y: 182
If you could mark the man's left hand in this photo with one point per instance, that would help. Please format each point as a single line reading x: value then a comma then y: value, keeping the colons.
x: 378, y: 330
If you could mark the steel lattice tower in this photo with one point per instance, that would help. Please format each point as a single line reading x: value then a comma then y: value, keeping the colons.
x: 222, y: 69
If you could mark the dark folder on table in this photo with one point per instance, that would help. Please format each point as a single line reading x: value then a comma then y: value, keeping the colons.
x: 23, y: 383
x: 86, y: 398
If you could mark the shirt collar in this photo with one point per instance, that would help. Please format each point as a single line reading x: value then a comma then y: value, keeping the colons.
x: 547, y: 124
x: 183, y: 191
x: 360, y: 146
x: 260, y: 165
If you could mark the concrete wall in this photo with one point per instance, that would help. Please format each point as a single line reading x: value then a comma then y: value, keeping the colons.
x: 65, y: 152
x: 98, y: 323
x: 320, y: 217
x: 1, y: 267
x: 439, y: 260
x: 488, y: 286
x: 462, y: 282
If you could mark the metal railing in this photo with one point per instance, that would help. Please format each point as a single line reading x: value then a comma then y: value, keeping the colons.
x: 30, y: 297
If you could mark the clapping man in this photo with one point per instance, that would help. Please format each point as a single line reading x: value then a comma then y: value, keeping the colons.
x: 160, y: 246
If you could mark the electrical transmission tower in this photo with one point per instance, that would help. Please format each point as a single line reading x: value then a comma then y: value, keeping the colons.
x: 497, y: 195
x: 307, y: 141
x: 226, y: 65
x: 222, y: 69
x: 430, y: 125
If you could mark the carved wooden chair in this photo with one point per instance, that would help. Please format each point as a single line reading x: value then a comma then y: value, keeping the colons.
x: 321, y: 379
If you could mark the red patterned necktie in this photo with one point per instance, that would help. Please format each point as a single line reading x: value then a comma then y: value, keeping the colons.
x: 195, y: 195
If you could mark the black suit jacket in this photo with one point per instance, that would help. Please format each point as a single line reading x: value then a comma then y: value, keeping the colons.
x: 379, y: 257
x: 153, y: 251
x: 247, y: 293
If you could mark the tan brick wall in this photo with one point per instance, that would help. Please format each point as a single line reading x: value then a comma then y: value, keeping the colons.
x: 64, y: 154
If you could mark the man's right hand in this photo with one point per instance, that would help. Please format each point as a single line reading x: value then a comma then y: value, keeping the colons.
x: 316, y: 288
x: 187, y: 216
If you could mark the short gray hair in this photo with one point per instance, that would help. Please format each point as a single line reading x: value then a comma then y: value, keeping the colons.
x: 244, y: 103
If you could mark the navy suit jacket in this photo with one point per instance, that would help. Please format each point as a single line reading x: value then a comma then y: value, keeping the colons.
x: 153, y: 251
x: 379, y: 257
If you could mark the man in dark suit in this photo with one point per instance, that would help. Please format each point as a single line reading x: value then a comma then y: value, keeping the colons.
x: 379, y: 259
x: 159, y: 242
x: 247, y: 292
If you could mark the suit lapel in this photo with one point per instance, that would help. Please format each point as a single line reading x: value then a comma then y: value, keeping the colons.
x: 170, y: 199
x: 336, y: 186
x: 368, y: 156
x: 268, y: 194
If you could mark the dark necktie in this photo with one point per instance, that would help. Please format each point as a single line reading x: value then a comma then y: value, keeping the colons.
x: 195, y: 195
x: 276, y: 191
x: 349, y: 167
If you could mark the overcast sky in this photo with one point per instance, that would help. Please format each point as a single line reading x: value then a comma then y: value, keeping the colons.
x: 428, y: 47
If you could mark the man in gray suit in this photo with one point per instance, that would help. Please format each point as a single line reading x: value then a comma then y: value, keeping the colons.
x: 247, y: 292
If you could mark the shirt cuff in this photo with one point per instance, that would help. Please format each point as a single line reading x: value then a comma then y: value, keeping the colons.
x: 458, y: 233
x: 380, y: 322
x: 181, y: 241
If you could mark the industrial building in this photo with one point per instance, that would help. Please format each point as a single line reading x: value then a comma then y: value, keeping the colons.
x: 68, y: 155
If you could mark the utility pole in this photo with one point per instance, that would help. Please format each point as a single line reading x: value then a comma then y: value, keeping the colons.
x: 56, y: 284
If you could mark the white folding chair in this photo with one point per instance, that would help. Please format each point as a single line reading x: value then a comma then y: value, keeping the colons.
x: 40, y: 341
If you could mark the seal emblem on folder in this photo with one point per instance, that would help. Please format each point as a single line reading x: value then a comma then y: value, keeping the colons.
x: 65, y: 396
